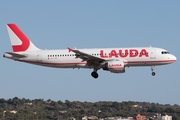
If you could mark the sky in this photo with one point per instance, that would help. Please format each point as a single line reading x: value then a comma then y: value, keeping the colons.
x: 92, y: 24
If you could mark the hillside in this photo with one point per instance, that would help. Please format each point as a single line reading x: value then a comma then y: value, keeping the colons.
x: 40, y: 109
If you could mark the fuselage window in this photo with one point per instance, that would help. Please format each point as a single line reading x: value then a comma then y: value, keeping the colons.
x: 48, y: 55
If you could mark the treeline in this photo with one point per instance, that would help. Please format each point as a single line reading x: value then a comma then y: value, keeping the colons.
x: 40, y: 109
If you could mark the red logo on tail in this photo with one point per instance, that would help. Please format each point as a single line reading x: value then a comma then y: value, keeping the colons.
x: 25, y: 41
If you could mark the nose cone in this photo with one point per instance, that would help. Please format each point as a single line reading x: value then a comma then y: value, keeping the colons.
x: 173, y: 58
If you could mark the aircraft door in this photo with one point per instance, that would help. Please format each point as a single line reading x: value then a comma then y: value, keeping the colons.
x: 153, y: 53
x: 39, y: 56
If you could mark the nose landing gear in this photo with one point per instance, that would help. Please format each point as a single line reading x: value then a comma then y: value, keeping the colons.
x: 152, y: 69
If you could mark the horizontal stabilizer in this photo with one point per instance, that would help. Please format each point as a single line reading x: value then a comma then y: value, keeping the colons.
x: 16, y: 55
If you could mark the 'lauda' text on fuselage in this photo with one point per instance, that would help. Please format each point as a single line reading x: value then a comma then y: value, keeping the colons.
x: 130, y: 53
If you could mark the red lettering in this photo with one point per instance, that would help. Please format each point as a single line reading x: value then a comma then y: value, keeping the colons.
x: 113, y: 53
x: 121, y: 55
x: 133, y: 53
x: 115, y: 65
x: 102, y: 54
x: 143, y: 52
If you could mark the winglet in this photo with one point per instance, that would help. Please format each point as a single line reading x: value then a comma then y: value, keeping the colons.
x: 69, y: 49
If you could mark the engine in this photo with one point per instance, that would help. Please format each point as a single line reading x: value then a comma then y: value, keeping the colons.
x: 115, y: 66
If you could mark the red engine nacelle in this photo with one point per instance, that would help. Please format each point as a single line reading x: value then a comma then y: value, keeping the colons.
x: 115, y: 66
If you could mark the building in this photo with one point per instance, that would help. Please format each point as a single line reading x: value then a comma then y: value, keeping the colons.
x: 13, y: 111
x: 136, y: 106
x: 72, y: 118
x: 130, y: 118
x: 34, y: 112
x: 84, y: 118
x: 166, y: 117
x: 26, y: 104
x: 88, y: 118
x: 139, y: 117
x: 62, y: 111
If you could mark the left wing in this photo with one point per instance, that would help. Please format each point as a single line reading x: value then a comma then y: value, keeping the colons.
x: 87, y: 57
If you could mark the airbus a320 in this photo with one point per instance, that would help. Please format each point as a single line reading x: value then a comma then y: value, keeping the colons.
x: 114, y: 60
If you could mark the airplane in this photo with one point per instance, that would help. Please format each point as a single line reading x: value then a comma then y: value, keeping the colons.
x: 114, y: 60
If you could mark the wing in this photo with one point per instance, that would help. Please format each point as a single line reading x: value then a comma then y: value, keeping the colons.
x: 87, y: 57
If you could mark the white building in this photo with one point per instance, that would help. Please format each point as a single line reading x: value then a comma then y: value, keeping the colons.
x: 13, y: 111
x: 166, y: 117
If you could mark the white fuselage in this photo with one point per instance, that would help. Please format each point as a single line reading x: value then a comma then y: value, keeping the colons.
x: 66, y: 59
x: 111, y: 59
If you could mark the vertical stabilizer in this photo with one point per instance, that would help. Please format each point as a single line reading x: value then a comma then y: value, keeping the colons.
x: 19, y: 41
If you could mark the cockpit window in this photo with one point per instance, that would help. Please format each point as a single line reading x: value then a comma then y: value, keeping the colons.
x: 165, y: 52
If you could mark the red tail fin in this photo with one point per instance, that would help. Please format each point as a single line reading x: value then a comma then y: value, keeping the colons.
x: 19, y: 40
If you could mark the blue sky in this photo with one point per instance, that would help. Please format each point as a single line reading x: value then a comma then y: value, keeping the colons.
x: 92, y: 24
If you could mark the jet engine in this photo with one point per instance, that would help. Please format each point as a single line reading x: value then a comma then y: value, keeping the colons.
x: 115, y: 66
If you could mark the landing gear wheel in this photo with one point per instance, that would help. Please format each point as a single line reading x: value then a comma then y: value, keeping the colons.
x: 94, y: 74
x: 153, y: 73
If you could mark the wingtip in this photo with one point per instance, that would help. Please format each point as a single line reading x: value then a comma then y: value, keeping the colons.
x: 69, y: 49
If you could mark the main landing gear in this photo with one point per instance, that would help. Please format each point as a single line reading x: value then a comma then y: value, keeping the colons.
x: 152, y: 69
x: 94, y: 73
